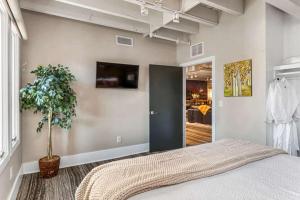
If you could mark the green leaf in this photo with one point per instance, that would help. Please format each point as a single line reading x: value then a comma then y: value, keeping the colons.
x: 51, y: 90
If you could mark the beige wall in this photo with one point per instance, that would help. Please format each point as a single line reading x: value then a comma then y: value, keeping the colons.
x: 102, y: 114
x: 6, y: 183
x: 237, y: 38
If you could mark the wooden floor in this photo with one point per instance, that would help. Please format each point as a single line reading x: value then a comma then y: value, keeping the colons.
x: 198, y: 133
x: 61, y: 187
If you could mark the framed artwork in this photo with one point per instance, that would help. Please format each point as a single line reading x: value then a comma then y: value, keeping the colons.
x: 238, y: 79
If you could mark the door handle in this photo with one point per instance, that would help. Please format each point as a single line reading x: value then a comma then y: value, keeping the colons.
x: 152, y: 112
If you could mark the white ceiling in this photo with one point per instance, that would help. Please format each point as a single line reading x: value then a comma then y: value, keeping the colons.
x: 291, y: 7
x: 126, y: 14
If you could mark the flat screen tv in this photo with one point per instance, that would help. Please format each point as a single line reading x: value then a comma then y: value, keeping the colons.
x: 114, y: 75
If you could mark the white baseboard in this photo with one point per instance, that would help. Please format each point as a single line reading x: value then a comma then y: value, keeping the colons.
x: 16, y: 186
x: 90, y: 157
x: 30, y: 167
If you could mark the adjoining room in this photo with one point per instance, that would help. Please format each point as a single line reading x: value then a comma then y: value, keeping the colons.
x: 199, y: 104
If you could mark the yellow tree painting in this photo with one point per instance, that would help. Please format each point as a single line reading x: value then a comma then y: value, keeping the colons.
x: 238, y: 79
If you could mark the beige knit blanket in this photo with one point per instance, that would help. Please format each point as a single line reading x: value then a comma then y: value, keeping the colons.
x: 125, y: 178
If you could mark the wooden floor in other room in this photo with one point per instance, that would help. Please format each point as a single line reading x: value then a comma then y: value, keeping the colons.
x: 197, y: 133
x: 61, y: 187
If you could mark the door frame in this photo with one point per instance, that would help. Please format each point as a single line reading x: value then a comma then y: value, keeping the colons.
x: 198, y: 61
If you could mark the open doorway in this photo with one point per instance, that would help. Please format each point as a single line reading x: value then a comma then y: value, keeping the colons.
x: 199, y: 84
x: 199, y: 104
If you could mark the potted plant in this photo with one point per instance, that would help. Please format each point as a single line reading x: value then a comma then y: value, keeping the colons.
x: 51, y: 95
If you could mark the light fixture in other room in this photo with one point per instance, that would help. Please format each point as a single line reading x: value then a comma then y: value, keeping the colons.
x: 176, y: 17
x: 144, y: 9
x: 209, y: 94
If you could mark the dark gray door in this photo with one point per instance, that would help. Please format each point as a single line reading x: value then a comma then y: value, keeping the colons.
x: 166, y: 107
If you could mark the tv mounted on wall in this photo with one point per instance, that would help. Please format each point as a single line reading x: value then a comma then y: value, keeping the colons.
x: 114, y: 75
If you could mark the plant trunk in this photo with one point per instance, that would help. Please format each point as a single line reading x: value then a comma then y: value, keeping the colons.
x: 49, y: 135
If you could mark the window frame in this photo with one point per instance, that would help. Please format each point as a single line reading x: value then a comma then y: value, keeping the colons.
x: 9, y: 87
x: 14, y: 89
x: 1, y: 64
x: 4, y: 86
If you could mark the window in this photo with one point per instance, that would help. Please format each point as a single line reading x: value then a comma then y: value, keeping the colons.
x: 9, y: 88
x: 1, y: 63
x: 14, y: 87
x: 4, y: 122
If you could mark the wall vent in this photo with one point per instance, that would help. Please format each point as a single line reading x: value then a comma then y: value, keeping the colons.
x: 124, y: 41
x: 197, y: 50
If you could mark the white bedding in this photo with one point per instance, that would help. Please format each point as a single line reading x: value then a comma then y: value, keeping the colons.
x: 275, y: 178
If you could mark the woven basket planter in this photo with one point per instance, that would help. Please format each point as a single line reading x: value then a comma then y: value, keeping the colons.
x: 49, y: 167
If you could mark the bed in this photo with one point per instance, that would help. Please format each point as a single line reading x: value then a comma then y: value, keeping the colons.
x: 228, y: 169
x: 275, y: 178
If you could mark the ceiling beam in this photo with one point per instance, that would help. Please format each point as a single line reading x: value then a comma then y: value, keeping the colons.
x: 288, y: 6
x: 131, y: 11
x: 210, y: 16
x: 171, y: 4
x: 187, y: 5
x: 234, y: 7
x: 168, y: 13
x: 118, y: 8
x: 126, y: 15
x: 76, y: 13
x: 184, y: 26
x: 173, y: 36
x: 206, y: 16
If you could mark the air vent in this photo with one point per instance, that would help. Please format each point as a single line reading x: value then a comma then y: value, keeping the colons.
x: 124, y: 41
x: 197, y: 50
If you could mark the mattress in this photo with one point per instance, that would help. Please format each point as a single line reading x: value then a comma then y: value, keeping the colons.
x: 123, y: 179
x: 274, y: 178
